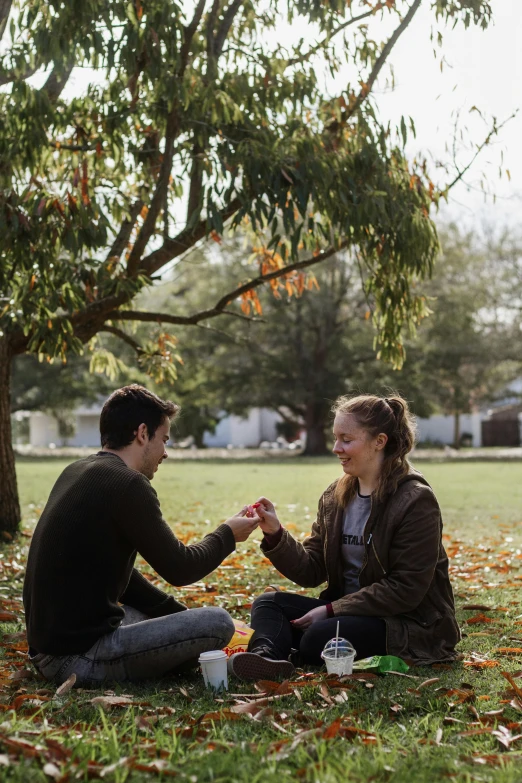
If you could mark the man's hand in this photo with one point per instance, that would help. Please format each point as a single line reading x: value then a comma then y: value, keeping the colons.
x: 268, y: 521
x: 241, y: 525
x: 311, y: 617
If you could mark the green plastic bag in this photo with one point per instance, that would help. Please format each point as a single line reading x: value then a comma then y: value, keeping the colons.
x: 381, y: 664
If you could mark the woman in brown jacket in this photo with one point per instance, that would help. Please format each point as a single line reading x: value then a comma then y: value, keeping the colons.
x: 376, y: 542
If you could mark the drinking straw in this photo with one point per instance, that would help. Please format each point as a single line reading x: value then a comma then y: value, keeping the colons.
x: 337, y: 640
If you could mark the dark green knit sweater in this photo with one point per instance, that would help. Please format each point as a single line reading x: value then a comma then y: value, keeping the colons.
x: 99, y: 515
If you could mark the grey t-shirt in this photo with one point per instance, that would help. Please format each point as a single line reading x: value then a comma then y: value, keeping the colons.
x: 352, y: 549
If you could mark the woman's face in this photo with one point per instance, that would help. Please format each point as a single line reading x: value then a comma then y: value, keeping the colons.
x: 360, y: 454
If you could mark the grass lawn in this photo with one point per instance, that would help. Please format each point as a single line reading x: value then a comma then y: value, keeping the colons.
x: 442, y: 723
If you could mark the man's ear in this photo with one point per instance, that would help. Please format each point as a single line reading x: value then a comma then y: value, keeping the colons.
x: 381, y: 440
x: 142, y: 434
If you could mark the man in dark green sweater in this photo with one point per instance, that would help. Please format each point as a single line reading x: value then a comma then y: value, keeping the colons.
x: 88, y: 610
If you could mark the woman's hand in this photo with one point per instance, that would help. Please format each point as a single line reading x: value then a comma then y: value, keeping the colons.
x: 268, y: 521
x: 242, y: 525
x: 311, y: 617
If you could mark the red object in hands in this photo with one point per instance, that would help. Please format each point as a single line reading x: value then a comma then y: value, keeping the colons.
x: 256, y: 505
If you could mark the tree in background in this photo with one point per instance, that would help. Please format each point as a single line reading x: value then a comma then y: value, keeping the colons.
x: 183, y: 124
x: 305, y: 350
x: 469, y: 349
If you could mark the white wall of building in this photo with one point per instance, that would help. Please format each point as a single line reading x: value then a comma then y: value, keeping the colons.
x: 247, y: 432
x: 439, y: 428
x: 43, y: 429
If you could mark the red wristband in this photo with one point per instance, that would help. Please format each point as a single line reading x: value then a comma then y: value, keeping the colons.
x: 329, y: 611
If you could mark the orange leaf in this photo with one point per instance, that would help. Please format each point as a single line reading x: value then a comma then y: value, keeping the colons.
x: 85, y: 181
x: 480, y: 618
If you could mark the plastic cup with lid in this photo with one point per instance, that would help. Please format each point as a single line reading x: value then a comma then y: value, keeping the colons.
x: 214, y: 669
x: 339, y: 655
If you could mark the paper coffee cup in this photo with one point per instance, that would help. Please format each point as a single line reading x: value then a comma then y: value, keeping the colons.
x: 214, y: 669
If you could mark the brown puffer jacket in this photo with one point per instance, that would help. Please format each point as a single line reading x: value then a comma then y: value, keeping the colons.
x: 404, y: 577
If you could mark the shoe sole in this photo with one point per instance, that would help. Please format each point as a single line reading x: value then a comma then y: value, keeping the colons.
x: 250, y: 666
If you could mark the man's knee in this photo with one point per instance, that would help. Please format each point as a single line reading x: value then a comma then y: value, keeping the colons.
x: 218, y: 623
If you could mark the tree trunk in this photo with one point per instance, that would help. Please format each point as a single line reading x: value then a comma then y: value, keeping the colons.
x: 315, y: 424
x: 456, y: 429
x: 9, y: 504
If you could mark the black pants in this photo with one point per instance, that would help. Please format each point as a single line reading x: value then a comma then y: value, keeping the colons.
x: 275, y: 636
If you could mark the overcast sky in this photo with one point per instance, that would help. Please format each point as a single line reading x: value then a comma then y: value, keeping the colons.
x: 482, y: 68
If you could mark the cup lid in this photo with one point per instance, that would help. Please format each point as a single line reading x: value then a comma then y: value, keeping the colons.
x: 212, y: 655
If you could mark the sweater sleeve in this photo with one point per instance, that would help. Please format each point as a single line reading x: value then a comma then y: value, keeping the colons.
x: 140, y: 520
x: 412, y: 560
x: 303, y: 563
x: 148, y: 598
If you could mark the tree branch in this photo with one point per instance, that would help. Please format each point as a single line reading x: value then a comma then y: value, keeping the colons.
x: 186, y: 239
x: 219, y: 307
x: 367, y: 88
x: 180, y: 320
x: 11, y: 76
x: 326, y: 40
x: 123, y: 336
x: 493, y: 132
x: 173, y: 124
x: 57, y: 80
x: 225, y: 25
x: 122, y: 239
x: 5, y: 10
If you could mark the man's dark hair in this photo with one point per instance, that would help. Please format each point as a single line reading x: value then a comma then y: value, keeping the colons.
x: 129, y: 407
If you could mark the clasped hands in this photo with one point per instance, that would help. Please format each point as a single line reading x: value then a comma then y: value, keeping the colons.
x: 262, y: 514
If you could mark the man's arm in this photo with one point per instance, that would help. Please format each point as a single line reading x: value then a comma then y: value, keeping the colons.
x: 143, y: 595
x: 139, y: 518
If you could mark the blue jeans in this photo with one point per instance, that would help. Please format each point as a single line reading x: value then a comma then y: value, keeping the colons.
x: 142, y: 648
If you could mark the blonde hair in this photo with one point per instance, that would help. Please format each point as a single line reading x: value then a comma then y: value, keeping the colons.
x: 392, y: 416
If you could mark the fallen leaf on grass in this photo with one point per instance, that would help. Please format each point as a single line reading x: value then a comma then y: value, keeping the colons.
x: 218, y: 716
x: 105, y: 702
x: 477, y: 608
x: 66, y: 686
x: 516, y: 704
x: 480, y: 618
x: 21, y: 674
x: 249, y: 707
x: 112, y: 767
x: 52, y: 771
x: 146, y: 722
x: 20, y: 747
x: 510, y: 679
x: 462, y: 694
x: 268, y: 686
x: 6, y: 617
x: 425, y: 684
x: 482, y: 664
x: 505, y: 737
x: 28, y: 700
x: 509, y: 650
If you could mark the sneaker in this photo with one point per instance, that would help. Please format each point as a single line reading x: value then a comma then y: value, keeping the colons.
x: 251, y: 666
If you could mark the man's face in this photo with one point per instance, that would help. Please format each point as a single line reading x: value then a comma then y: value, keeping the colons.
x: 154, y: 452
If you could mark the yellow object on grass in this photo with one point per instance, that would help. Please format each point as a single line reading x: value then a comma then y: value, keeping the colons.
x: 239, y: 642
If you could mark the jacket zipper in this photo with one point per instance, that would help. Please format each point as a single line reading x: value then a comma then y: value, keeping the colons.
x: 365, y: 559
x: 375, y: 553
x: 368, y: 542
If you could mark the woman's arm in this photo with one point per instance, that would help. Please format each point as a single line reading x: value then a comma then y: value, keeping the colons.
x: 302, y: 563
x: 412, y: 560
